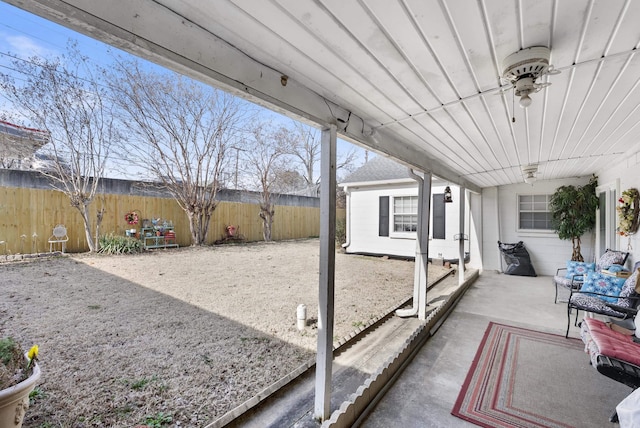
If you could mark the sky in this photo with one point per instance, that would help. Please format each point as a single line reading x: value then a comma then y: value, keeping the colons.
x: 24, y: 35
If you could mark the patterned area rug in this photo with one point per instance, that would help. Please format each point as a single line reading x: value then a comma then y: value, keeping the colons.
x: 525, y: 378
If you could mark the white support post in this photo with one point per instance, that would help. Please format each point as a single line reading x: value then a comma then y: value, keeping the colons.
x: 422, y: 250
x: 424, y: 214
x: 324, y: 356
x: 463, y: 204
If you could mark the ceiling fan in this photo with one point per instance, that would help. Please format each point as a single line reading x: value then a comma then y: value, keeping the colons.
x: 529, y: 172
x: 521, y: 69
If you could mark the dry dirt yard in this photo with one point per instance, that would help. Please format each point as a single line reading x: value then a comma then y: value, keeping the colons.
x: 178, y: 337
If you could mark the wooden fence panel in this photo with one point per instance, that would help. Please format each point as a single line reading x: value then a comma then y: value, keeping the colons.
x: 28, y: 216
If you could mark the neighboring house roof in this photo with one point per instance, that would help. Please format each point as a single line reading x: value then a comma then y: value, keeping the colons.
x: 379, y: 168
x: 20, y: 142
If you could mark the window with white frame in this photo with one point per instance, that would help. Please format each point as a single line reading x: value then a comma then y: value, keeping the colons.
x: 534, y: 213
x: 405, y: 213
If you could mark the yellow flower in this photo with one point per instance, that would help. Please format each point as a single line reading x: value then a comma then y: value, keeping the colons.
x: 33, y: 352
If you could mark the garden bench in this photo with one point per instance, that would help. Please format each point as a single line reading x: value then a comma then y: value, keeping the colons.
x: 574, y: 272
x: 612, y: 353
x: 615, y: 305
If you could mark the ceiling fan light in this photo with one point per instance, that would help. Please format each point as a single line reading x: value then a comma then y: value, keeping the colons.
x: 525, y: 101
x: 529, y: 173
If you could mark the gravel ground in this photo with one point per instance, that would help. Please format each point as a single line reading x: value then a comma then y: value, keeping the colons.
x: 178, y: 337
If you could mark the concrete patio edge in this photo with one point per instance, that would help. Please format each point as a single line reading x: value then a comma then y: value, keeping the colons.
x: 352, y: 410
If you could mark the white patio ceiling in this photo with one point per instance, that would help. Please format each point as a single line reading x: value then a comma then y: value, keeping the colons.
x: 415, y: 79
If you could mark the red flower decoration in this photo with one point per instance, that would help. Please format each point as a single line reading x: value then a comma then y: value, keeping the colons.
x: 131, y: 217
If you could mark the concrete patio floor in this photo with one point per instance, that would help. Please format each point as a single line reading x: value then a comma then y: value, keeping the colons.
x: 425, y: 392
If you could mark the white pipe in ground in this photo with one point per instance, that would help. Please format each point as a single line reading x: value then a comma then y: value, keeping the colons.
x: 301, y: 315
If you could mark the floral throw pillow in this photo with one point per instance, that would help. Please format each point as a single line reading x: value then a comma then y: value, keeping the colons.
x: 600, y: 283
x: 579, y: 269
x: 611, y: 257
x: 629, y: 291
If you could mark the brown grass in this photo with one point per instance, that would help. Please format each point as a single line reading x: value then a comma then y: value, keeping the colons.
x: 182, y: 334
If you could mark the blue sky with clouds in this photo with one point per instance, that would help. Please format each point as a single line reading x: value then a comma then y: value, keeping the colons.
x: 27, y: 35
x: 24, y: 35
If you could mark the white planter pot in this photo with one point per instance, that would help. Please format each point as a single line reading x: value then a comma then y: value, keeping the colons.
x: 14, y: 401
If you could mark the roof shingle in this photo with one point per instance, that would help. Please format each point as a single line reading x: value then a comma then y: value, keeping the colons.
x: 380, y: 168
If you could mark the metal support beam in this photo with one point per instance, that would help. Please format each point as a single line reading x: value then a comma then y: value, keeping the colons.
x: 463, y: 208
x: 324, y: 356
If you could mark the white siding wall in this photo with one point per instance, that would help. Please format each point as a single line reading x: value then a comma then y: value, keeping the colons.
x: 547, y: 251
x: 628, y: 175
x: 363, y: 233
x: 496, y: 220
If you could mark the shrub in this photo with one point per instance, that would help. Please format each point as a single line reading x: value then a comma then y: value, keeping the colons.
x: 116, y: 244
x: 341, y: 231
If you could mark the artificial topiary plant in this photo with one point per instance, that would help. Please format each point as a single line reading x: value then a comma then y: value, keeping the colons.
x: 573, y: 213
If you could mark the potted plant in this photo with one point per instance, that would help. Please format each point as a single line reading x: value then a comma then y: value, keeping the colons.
x: 573, y: 213
x: 19, y: 373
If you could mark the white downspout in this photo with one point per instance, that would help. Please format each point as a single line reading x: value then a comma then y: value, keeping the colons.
x: 348, y: 215
x: 463, y: 201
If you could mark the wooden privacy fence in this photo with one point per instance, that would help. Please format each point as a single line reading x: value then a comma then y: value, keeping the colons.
x: 28, y: 216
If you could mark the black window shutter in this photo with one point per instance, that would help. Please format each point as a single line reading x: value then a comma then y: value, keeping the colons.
x: 383, y: 217
x: 439, y: 216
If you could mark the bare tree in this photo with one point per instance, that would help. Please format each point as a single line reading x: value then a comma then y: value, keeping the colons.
x: 268, y: 147
x: 65, y: 97
x: 288, y: 181
x: 180, y: 132
x: 305, y: 148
